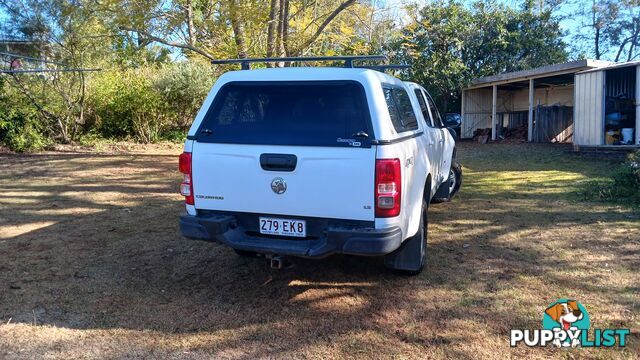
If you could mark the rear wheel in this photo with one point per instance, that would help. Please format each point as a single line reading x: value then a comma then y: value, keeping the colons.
x: 411, y: 256
x: 450, y: 188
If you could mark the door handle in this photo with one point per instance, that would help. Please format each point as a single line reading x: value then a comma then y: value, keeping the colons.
x: 278, y: 162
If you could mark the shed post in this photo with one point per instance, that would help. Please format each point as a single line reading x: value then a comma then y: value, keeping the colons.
x: 462, y: 133
x: 494, y: 120
x: 530, y: 119
x: 638, y: 104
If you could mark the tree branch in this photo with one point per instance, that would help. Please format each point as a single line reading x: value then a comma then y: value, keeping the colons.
x: 169, y: 43
x: 322, y: 26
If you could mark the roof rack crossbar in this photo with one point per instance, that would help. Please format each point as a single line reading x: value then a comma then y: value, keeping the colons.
x: 348, y: 60
x: 383, y: 68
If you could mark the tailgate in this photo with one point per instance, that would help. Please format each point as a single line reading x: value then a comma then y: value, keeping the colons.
x: 327, y: 182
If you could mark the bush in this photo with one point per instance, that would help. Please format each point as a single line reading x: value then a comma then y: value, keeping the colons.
x: 183, y: 87
x: 20, y: 127
x: 626, y: 180
x: 144, y: 103
x: 624, y: 185
x: 124, y: 104
x: 21, y: 131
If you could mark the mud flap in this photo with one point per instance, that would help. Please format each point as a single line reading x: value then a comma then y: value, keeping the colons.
x: 408, y: 257
x: 443, y: 190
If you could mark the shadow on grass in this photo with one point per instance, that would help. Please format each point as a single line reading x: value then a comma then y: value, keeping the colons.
x: 125, y: 266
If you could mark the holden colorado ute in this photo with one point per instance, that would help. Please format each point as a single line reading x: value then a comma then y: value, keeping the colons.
x: 311, y: 161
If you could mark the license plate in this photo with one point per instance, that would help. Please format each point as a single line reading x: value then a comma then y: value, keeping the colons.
x: 283, y: 227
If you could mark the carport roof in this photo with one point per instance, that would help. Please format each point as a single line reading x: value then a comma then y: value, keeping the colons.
x: 570, y: 67
x: 614, y: 66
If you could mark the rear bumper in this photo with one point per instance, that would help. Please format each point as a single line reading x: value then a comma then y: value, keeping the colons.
x: 334, y: 238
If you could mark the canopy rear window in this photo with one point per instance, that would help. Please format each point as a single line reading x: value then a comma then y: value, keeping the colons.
x: 319, y: 113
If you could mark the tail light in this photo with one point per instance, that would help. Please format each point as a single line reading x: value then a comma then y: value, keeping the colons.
x: 186, y: 188
x: 388, y: 187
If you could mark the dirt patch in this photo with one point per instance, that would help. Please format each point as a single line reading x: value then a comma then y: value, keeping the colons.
x: 92, y: 266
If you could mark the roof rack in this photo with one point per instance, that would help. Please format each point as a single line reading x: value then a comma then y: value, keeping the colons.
x: 383, y: 68
x: 348, y: 60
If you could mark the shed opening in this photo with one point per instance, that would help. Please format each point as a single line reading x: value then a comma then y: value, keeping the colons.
x: 620, y: 109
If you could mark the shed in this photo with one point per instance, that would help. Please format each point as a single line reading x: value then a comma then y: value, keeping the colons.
x: 589, y: 103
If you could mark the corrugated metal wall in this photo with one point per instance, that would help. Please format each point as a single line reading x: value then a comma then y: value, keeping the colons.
x: 548, y: 96
x: 589, y: 109
x: 477, y: 109
x: 477, y: 104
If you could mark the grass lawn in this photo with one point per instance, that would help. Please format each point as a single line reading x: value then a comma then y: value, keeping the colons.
x: 92, y: 266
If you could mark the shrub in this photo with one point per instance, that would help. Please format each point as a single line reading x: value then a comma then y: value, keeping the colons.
x: 623, y: 186
x: 183, y: 87
x: 20, y: 127
x: 21, y: 131
x: 626, y: 180
x: 146, y: 102
x: 124, y: 104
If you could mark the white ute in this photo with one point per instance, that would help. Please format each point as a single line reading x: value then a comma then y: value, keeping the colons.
x: 312, y: 161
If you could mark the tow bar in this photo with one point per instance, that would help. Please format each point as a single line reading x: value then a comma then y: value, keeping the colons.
x: 277, y: 262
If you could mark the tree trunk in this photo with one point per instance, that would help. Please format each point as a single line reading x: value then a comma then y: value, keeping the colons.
x: 272, y: 29
x: 285, y: 28
x: 621, y: 48
x: 596, y: 26
x: 281, y: 27
x: 238, y: 30
x: 190, y: 28
x: 634, y: 38
x: 597, y: 43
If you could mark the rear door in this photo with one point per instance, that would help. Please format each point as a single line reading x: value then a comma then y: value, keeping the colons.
x: 432, y: 133
x: 443, y: 135
x: 287, y: 148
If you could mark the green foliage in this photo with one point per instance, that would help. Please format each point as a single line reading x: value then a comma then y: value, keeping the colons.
x: 20, y: 128
x: 183, y: 87
x: 116, y: 98
x: 449, y: 44
x: 626, y: 180
x: 624, y: 185
x: 145, y: 102
x: 176, y: 135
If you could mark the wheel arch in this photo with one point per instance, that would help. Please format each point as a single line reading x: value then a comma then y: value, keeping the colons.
x: 426, y: 192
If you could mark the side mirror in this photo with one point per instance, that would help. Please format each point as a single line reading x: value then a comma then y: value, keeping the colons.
x: 451, y: 123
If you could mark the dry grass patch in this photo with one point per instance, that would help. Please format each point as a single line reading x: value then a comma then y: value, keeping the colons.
x: 92, y: 266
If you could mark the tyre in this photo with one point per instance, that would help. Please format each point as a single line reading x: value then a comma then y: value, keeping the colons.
x: 411, y: 257
x: 450, y: 188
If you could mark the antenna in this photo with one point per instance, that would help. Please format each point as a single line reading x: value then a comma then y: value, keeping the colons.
x: 348, y: 60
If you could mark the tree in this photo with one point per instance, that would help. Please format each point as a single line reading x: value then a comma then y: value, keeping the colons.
x: 448, y: 44
x: 233, y: 28
x: 67, y: 34
x: 612, y: 27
